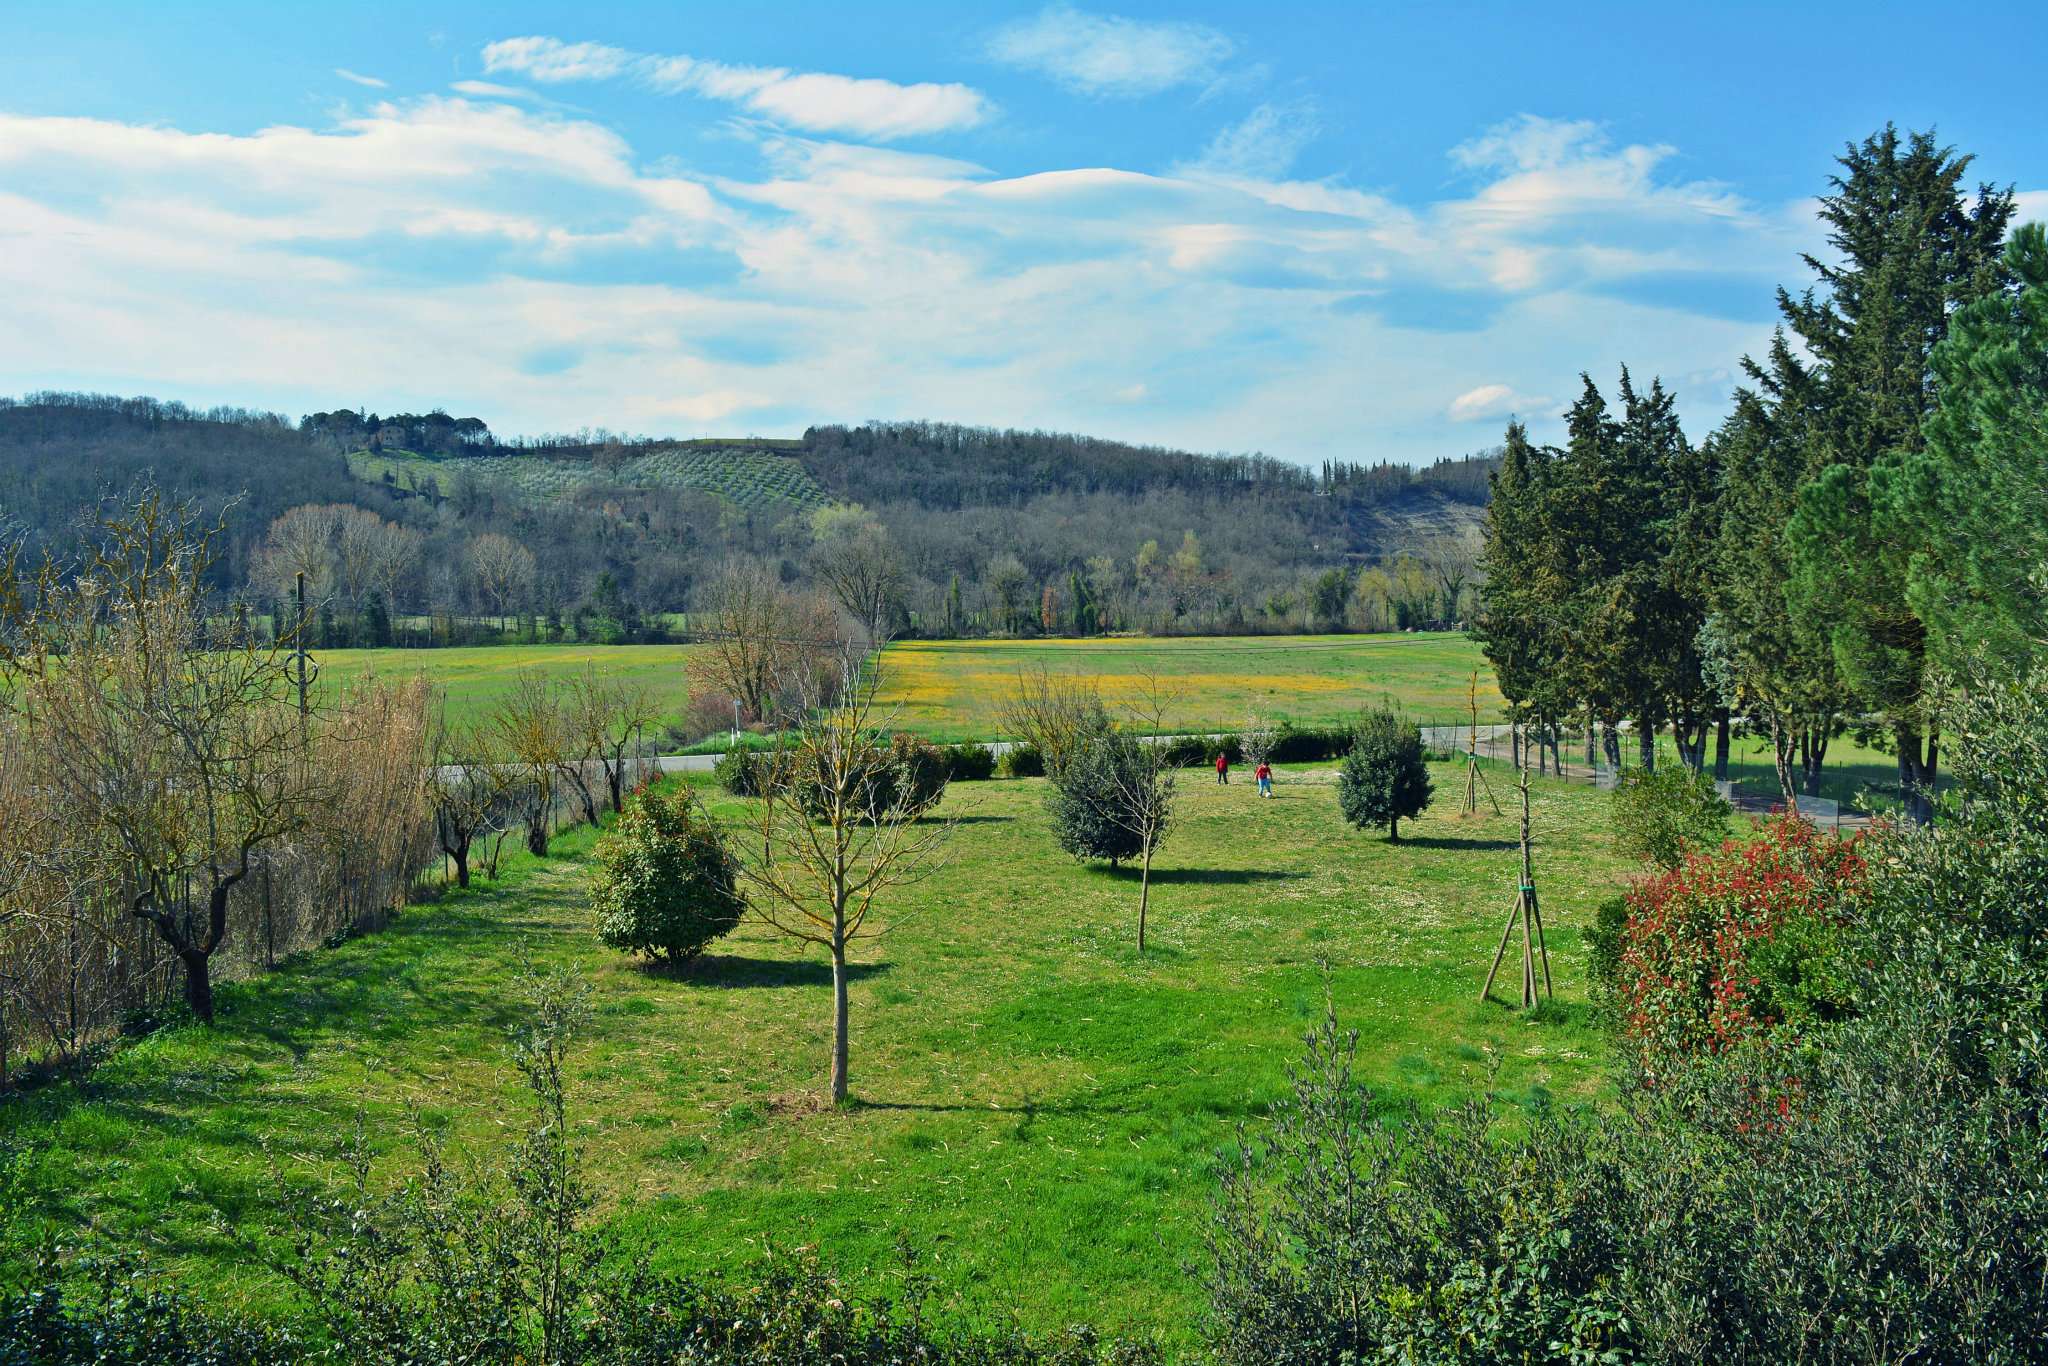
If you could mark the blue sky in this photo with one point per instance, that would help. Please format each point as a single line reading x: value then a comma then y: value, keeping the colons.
x: 1320, y: 231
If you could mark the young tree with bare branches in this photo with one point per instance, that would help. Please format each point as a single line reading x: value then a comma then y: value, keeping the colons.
x: 838, y: 828
x: 528, y: 728
x: 607, y: 717
x: 1053, y: 713
x: 468, y: 789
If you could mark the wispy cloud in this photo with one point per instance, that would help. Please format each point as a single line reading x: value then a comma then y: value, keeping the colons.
x: 360, y: 79
x: 491, y: 90
x: 1108, y: 55
x: 817, y: 102
x: 1263, y: 145
x: 1493, y: 401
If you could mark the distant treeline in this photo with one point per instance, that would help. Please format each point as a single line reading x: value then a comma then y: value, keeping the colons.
x: 989, y: 532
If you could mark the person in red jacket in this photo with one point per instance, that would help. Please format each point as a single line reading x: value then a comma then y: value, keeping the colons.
x: 1222, y: 767
x: 1264, y: 773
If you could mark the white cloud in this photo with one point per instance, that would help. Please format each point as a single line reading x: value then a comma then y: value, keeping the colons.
x: 814, y: 101
x: 426, y: 251
x: 551, y: 59
x: 1261, y: 146
x: 2030, y: 206
x: 359, y: 78
x: 1492, y: 400
x: 1108, y: 55
x: 491, y: 90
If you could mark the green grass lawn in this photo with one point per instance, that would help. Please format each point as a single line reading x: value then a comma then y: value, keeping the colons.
x: 954, y: 689
x: 1038, y: 1107
x: 476, y: 677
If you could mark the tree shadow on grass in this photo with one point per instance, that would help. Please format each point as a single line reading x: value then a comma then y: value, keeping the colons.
x: 1454, y: 842
x: 1211, y: 877
x: 975, y: 820
x: 732, y: 971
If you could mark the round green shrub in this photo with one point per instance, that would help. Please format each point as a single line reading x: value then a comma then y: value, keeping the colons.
x: 1090, y: 802
x: 918, y: 773
x: 972, y: 763
x: 1023, y: 761
x: 1384, y: 778
x: 742, y: 772
x: 665, y: 885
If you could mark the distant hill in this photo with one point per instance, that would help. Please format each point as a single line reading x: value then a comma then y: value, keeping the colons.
x: 993, y: 526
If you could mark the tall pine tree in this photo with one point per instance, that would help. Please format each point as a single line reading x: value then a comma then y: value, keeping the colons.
x: 1912, y: 246
x: 1976, y: 492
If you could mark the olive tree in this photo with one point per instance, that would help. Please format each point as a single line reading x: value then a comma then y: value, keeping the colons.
x: 1384, y: 778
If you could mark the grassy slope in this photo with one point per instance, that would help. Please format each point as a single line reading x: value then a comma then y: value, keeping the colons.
x: 1039, y: 1107
x: 953, y: 689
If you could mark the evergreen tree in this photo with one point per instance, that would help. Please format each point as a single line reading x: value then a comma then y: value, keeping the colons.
x: 1976, y: 493
x: 1094, y: 800
x: 1520, y: 623
x: 1384, y: 778
x: 1913, y: 247
x: 1768, y: 662
x: 375, y: 628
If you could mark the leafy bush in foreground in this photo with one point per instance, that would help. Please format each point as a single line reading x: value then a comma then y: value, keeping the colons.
x: 1733, y: 944
x: 665, y: 885
x: 1892, y: 1207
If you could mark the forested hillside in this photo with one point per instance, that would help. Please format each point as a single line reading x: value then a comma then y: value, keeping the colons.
x: 419, y: 518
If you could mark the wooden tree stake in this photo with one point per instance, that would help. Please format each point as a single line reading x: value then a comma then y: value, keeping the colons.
x: 1528, y: 913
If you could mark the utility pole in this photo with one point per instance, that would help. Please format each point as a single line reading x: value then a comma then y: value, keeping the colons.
x: 302, y: 669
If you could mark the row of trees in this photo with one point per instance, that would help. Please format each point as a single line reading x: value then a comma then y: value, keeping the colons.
x: 1874, y: 505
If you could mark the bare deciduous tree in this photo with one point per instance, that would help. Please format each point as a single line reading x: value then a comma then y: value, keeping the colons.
x: 837, y: 830
x: 758, y: 639
x: 606, y: 720
x: 1142, y: 800
x: 527, y: 725
x: 859, y: 565
x: 178, y: 750
x: 300, y: 541
x: 394, y: 557
x: 501, y: 570
x: 1053, y: 713
x: 1258, y: 737
x: 468, y: 792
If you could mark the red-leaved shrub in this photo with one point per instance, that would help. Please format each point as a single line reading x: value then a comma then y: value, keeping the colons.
x: 1736, y: 943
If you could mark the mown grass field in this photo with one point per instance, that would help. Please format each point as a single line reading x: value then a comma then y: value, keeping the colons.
x: 1037, y: 1107
x: 476, y: 677
x: 954, y: 689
